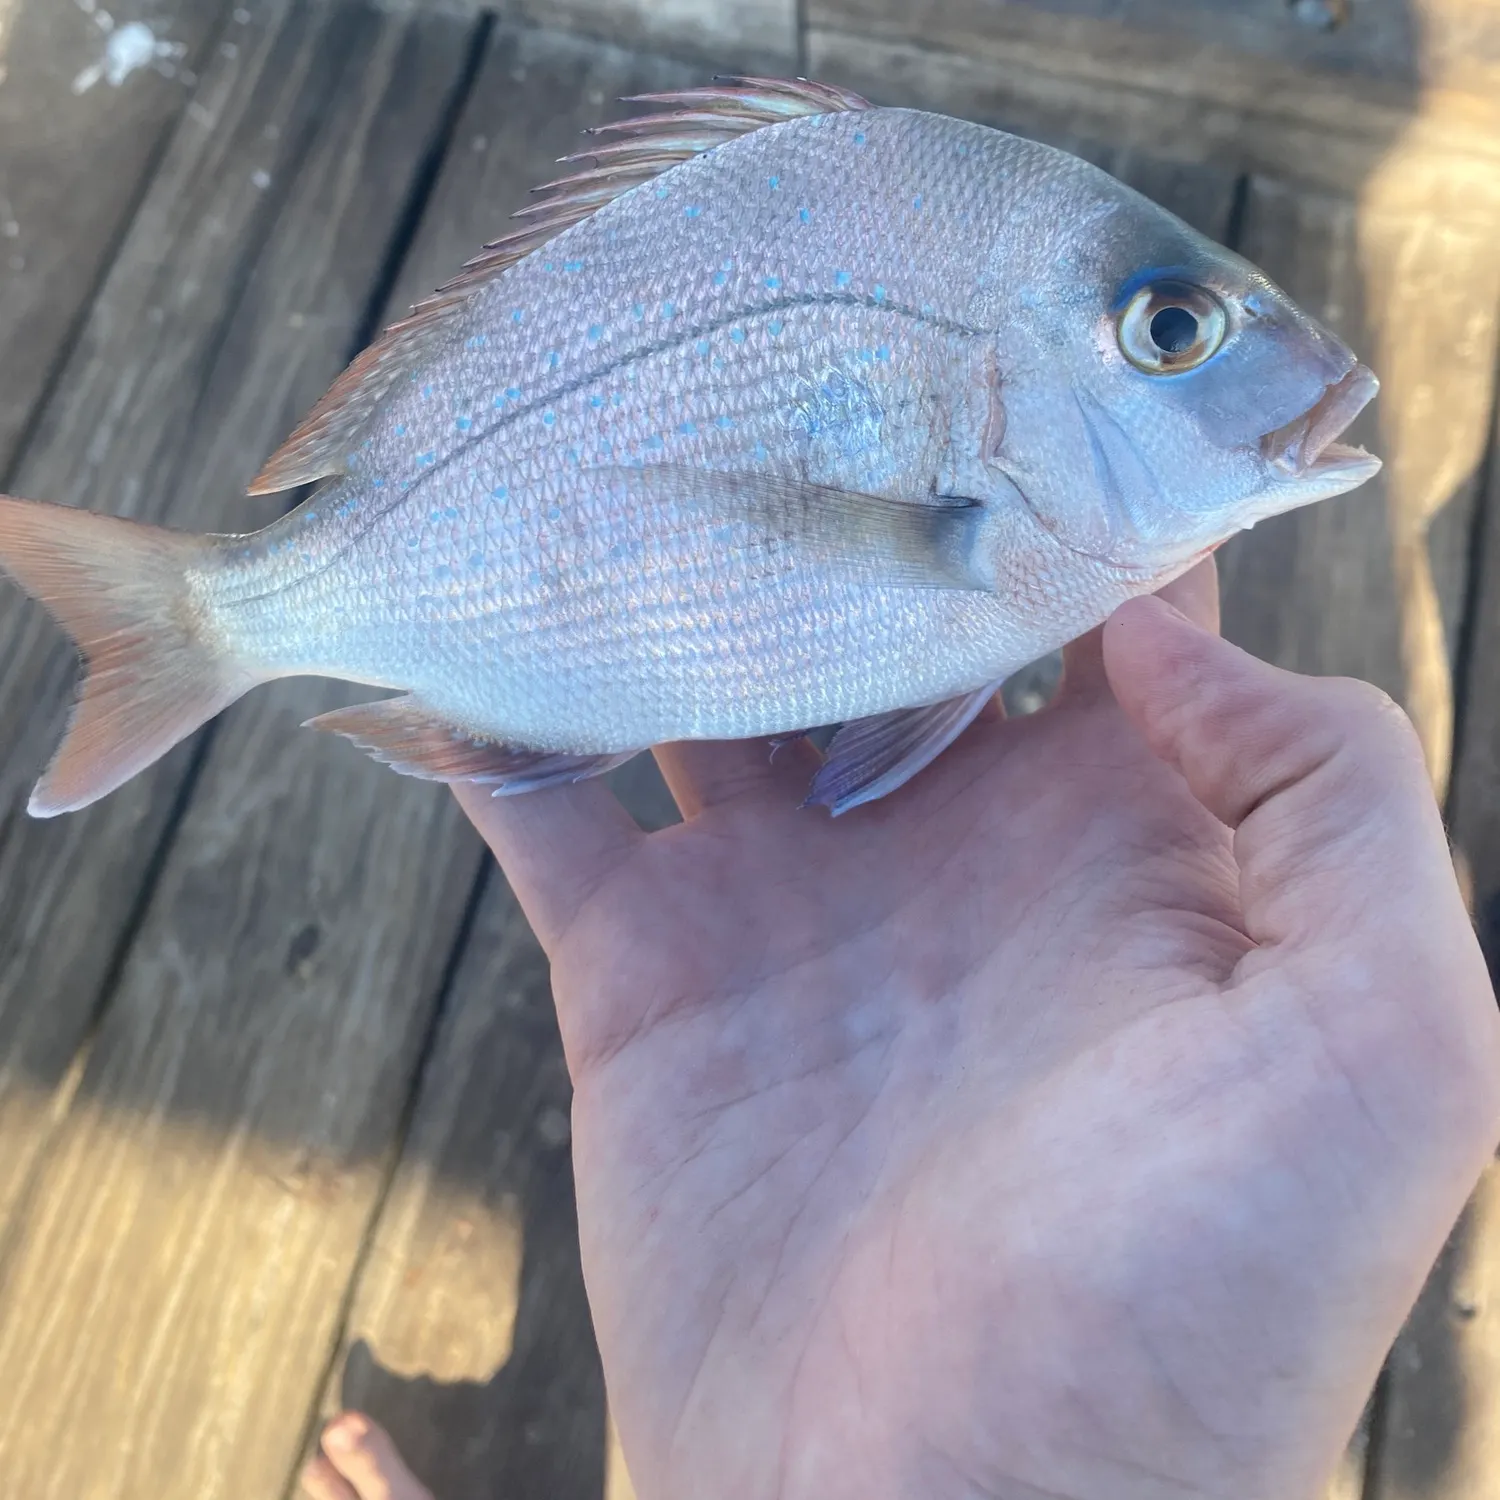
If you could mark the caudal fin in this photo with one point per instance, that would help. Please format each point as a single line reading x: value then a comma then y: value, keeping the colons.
x: 123, y: 592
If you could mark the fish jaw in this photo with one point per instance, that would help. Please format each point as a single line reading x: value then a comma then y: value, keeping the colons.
x: 1305, y: 459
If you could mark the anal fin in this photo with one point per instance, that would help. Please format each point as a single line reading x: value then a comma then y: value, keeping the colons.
x: 406, y: 735
x: 869, y: 758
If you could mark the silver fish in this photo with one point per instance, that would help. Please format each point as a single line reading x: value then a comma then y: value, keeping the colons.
x: 781, y: 411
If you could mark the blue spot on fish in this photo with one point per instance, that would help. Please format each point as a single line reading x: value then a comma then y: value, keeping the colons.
x: 517, y: 315
x: 916, y: 203
x: 805, y: 214
x: 463, y: 423
x: 879, y: 294
x: 596, y: 402
x: 687, y: 429
x: 442, y: 572
x: 426, y: 392
x: 572, y: 265
x: 548, y: 418
x: 773, y: 183
x: 512, y: 393
x: 596, y: 332
x: 691, y: 211
x: 553, y: 359
x: 720, y: 277
x: 883, y: 352
x: 737, y: 335
x: 859, y: 137
x: 841, y: 279
x: 499, y: 492
x: 450, y: 513
x: 639, y: 311
x: 434, y: 516
x: 554, y: 512
x: 760, y: 453
x: 724, y: 423
x: 426, y: 458
x: 776, y: 326
x: 399, y: 429
x: 375, y: 484
x: 668, y: 310
x: 662, y: 192
x: 773, y: 282
x: 701, y: 348
x: 476, y: 560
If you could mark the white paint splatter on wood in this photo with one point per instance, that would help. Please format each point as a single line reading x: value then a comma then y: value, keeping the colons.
x: 129, y: 48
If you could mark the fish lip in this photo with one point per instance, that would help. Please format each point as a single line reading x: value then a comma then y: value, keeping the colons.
x: 1308, y: 446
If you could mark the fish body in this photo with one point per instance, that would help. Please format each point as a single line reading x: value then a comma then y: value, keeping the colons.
x: 842, y: 420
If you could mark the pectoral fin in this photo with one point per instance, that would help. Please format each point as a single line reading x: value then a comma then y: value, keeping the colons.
x: 913, y: 544
x: 870, y: 758
x: 409, y: 737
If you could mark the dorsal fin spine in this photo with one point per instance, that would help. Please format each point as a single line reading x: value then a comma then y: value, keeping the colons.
x: 701, y: 120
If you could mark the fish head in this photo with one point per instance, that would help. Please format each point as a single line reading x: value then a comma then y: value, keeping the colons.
x: 1166, y: 393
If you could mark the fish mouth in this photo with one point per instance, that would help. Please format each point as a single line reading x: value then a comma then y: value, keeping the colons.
x: 1308, y: 448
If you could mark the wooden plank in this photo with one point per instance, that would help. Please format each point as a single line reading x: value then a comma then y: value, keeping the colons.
x: 186, y: 1241
x: 468, y: 1334
x: 75, y: 150
x: 166, y: 409
x: 1168, y: 92
x: 726, y: 35
x: 1440, y: 1437
x: 1352, y: 586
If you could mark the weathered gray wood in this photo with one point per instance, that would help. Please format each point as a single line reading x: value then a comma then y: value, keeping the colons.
x: 1439, y: 1438
x: 1351, y: 586
x: 186, y: 1240
x: 74, y: 152
x: 166, y: 408
x: 1246, y: 86
x: 726, y: 35
x: 468, y: 1334
x: 1474, y: 811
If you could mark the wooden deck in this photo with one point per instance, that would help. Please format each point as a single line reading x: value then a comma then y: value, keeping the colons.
x: 283, y: 1116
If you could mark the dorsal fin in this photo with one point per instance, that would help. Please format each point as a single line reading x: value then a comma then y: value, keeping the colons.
x: 692, y: 121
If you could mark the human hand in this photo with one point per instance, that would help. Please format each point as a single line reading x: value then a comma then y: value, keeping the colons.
x: 1029, y: 1133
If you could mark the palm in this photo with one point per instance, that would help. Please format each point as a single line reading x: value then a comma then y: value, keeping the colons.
x: 951, y: 1149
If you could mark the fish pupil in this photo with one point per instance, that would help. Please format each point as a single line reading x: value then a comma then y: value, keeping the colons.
x: 1174, y: 330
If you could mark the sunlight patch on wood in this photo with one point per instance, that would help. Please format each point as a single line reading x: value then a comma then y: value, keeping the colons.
x: 213, y: 1265
x: 439, y: 1291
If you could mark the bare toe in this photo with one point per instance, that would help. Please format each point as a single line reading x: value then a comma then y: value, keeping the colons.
x: 321, y: 1481
x: 363, y: 1453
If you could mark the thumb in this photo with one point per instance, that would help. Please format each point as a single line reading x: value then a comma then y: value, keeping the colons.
x: 1321, y: 779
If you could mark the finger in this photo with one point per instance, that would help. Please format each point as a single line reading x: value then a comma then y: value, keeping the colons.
x: 363, y: 1453
x: 1083, y: 676
x: 709, y: 773
x: 319, y: 1480
x: 556, y: 846
x: 1322, y: 780
x: 1195, y: 594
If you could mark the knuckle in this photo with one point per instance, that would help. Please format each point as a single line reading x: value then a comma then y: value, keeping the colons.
x: 1373, y: 717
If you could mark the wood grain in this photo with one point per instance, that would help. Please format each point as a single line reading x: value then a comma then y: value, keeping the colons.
x: 469, y: 1335
x: 74, y: 156
x: 1439, y: 1439
x: 169, y: 403
x: 1178, y: 91
x: 186, y: 1240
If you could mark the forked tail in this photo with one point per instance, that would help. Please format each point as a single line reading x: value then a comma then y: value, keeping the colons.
x: 154, y: 672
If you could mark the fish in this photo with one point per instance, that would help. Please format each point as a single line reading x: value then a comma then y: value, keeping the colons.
x: 778, y: 410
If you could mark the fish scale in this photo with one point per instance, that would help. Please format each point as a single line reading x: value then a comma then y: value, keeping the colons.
x: 841, y: 419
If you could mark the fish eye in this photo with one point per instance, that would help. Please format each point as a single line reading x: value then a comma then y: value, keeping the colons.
x: 1171, y: 326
